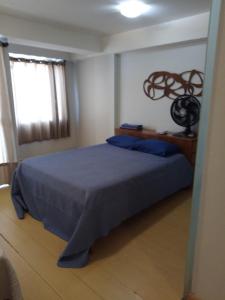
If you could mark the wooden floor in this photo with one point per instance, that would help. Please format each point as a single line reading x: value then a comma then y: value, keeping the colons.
x: 142, y: 259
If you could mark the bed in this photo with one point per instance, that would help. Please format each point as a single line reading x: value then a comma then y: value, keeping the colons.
x: 81, y: 194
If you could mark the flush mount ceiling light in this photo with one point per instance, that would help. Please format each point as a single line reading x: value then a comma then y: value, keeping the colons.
x: 133, y: 8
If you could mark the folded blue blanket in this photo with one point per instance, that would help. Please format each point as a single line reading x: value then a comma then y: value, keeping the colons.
x: 131, y: 126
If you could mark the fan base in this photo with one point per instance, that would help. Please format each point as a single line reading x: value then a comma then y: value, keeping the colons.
x: 185, y: 134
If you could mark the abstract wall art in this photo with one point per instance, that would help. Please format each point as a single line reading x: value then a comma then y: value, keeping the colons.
x: 163, y: 84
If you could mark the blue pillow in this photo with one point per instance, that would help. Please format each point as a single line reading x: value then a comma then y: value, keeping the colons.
x: 123, y: 141
x: 156, y: 147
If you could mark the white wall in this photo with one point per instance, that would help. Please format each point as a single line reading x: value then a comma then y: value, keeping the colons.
x: 92, y: 119
x: 98, y: 87
x: 96, y: 98
x: 103, y: 84
x: 136, y: 66
x: 44, y: 147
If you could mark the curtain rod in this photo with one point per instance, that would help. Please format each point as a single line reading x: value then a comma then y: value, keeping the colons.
x: 32, y: 60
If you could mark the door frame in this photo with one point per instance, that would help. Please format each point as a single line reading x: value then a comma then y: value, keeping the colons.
x: 202, y: 140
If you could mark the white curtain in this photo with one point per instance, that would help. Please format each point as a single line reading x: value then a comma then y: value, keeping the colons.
x: 39, y: 92
x: 7, y: 138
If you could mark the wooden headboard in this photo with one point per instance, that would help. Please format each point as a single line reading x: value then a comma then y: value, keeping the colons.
x: 187, y: 145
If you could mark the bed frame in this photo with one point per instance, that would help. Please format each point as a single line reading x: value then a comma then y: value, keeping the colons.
x: 187, y: 145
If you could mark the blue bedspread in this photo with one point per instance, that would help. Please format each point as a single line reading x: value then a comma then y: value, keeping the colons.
x: 81, y: 194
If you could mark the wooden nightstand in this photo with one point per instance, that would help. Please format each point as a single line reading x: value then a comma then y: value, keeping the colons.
x: 187, y: 145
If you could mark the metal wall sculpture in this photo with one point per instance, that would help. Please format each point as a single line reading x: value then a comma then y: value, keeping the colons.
x: 171, y: 85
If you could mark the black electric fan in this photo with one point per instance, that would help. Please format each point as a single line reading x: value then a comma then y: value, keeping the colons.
x: 185, y: 111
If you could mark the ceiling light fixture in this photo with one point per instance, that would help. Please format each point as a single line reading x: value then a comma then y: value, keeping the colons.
x: 133, y: 8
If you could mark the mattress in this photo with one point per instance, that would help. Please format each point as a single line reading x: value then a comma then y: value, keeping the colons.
x: 81, y: 194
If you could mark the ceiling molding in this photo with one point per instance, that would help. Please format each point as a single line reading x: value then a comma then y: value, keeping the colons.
x: 83, y: 44
x: 177, y: 31
x: 36, y: 34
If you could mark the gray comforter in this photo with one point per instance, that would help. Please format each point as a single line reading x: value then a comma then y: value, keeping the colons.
x: 81, y: 194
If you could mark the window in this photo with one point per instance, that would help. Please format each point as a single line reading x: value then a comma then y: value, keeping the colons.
x: 39, y: 92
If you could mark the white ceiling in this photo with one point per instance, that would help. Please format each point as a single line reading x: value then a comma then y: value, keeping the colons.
x: 101, y: 15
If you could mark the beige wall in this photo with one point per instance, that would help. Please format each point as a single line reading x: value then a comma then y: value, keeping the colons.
x: 105, y: 82
x: 135, y: 66
x: 209, y: 267
x: 96, y: 99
